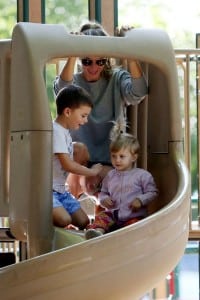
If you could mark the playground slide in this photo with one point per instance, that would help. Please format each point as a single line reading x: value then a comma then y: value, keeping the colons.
x: 129, y: 262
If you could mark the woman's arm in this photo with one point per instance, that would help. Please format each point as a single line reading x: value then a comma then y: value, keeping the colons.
x: 66, y: 76
x: 135, y: 69
x: 133, y: 85
x: 68, y: 69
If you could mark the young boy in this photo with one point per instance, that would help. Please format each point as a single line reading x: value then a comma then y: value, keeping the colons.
x: 73, y: 107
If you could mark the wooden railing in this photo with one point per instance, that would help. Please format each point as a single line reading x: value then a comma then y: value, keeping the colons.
x: 188, y: 65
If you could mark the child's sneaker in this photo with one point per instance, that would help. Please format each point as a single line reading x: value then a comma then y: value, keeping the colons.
x: 92, y: 233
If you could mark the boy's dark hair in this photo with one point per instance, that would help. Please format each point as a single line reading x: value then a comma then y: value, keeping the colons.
x: 72, y: 96
x: 121, y: 139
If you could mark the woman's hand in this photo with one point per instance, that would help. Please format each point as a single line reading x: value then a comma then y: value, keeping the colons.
x: 123, y: 30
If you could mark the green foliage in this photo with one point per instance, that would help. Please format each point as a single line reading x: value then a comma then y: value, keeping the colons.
x: 194, y: 161
x: 69, y: 13
x: 50, y: 76
x: 8, y: 18
x: 178, y: 18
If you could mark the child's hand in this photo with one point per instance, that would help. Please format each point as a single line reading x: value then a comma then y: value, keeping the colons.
x: 136, y: 205
x: 96, y: 169
x: 108, y: 203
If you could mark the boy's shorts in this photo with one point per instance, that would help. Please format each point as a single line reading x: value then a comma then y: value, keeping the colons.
x: 66, y: 200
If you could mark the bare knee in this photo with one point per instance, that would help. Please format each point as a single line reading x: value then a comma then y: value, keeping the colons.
x: 61, y: 217
x: 80, y: 219
x: 84, y: 223
x: 61, y: 222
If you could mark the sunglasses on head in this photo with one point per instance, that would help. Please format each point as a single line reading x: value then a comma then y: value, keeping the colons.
x: 88, y: 62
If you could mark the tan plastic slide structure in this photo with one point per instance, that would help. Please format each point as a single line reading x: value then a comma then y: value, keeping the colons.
x: 121, y: 265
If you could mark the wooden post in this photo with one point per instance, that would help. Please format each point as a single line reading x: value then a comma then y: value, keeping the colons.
x: 104, y: 12
x: 31, y: 11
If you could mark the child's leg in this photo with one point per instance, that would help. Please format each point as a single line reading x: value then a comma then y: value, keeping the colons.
x: 61, y: 217
x: 73, y: 206
x: 103, y: 220
x: 80, y: 218
x: 74, y: 183
x: 67, y: 210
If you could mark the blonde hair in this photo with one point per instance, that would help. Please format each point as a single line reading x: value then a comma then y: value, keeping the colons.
x: 121, y: 139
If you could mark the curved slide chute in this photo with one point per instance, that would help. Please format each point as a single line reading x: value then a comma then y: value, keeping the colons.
x: 124, y: 264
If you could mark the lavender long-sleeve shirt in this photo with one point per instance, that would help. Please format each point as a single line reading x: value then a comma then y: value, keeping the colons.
x: 124, y: 186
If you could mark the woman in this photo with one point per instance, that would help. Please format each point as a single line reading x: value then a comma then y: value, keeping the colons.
x: 111, y: 90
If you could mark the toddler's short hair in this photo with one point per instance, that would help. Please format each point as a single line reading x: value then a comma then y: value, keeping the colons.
x: 125, y: 140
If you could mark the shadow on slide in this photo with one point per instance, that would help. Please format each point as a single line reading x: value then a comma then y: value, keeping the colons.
x: 124, y: 264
